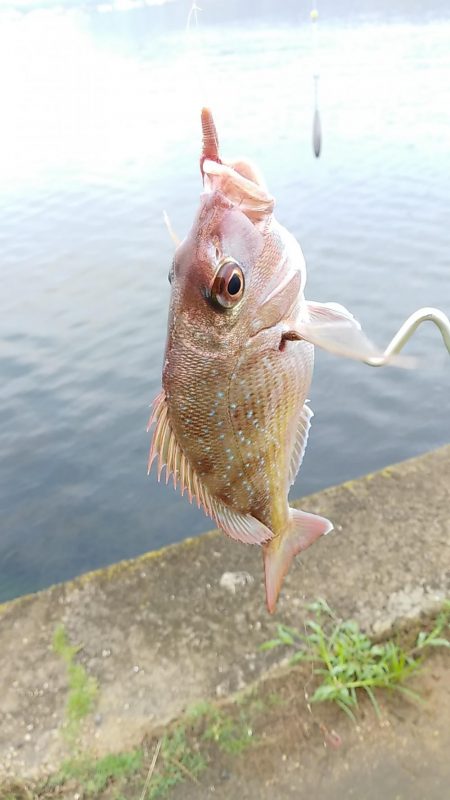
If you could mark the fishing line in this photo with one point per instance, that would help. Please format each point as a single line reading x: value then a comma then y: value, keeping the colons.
x: 210, y: 141
x: 317, y: 127
x: 194, y: 52
x: 195, y: 66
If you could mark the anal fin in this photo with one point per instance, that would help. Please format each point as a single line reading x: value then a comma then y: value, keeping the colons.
x: 242, y: 527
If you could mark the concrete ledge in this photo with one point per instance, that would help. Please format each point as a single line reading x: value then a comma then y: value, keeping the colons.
x: 170, y: 628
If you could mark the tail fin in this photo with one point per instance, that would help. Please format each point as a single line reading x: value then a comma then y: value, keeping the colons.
x: 303, y: 530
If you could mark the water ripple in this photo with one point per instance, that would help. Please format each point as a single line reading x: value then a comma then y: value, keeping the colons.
x: 99, y: 138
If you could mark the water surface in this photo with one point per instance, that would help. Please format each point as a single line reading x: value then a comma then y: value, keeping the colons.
x: 100, y: 133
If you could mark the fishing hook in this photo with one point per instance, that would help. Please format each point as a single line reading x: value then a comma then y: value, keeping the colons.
x: 407, y: 329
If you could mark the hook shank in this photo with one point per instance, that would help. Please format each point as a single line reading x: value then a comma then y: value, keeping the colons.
x: 407, y: 329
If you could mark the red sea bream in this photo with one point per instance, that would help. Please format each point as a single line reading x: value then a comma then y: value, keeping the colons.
x: 232, y: 420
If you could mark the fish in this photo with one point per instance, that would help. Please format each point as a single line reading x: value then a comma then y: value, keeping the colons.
x: 231, y: 423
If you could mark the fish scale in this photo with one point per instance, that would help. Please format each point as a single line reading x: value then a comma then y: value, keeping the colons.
x: 271, y: 394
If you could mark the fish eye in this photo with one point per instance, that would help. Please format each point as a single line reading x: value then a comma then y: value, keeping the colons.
x: 234, y: 284
x: 228, y: 285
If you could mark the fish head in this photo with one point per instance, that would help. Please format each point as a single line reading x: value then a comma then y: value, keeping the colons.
x: 237, y: 271
x: 212, y: 270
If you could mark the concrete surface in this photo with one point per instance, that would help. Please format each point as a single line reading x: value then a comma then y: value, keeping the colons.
x: 185, y: 623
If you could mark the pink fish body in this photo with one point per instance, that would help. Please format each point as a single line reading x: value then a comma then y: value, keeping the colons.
x: 232, y: 421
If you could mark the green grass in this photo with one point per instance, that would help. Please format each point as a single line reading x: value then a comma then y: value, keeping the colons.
x: 185, y: 752
x: 83, y: 689
x: 16, y: 790
x: 181, y: 755
x: 14, y: 796
x: 93, y: 775
x: 178, y: 759
x: 231, y: 735
x: 346, y: 661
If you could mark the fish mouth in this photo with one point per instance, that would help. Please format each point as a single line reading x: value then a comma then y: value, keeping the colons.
x: 243, y: 192
x: 239, y: 181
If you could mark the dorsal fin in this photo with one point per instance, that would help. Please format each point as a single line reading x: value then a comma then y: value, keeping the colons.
x: 165, y: 447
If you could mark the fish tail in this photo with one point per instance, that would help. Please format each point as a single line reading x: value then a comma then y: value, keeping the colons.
x: 302, y: 530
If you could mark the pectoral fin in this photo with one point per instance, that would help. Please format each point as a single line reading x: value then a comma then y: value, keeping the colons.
x: 333, y: 328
